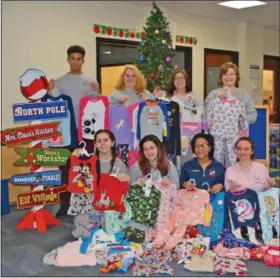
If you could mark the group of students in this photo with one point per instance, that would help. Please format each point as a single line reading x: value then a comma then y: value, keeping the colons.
x: 162, y: 206
x: 201, y: 172
x: 204, y: 171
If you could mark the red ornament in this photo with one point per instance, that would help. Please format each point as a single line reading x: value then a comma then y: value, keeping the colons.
x: 152, y: 75
x: 109, y: 31
x: 142, y: 35
x: 121, y: 33
x: 96, y: 29
x: 182, y: 40
x: 132, y: 35
x: 190, y: 41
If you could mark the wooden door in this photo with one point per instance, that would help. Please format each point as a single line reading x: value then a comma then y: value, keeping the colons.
x: 109, y: 78
x: 213, y: 59
x: 272, y: 64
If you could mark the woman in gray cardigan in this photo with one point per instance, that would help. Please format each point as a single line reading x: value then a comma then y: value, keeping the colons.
x: 152, y: 158
x: 228, y: 78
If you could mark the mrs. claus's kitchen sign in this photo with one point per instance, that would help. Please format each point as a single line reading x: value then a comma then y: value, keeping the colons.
x: 25, y: 134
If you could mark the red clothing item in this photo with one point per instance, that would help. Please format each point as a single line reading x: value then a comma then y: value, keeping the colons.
x: 110, y: 193
x: 272, y: 256
x: 132, y: 157
x: 192, y: 232
x: 82, y: 174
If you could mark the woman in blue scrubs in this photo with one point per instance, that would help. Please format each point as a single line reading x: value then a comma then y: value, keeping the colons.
x: 203, y: 172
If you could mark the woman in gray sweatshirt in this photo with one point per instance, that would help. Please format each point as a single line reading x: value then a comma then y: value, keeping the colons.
x: 228, y: 78
x: 130, y: 88
x: 152, y: 158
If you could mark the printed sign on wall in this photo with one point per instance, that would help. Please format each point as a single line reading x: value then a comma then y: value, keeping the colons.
x: 39, y: 111
x: 40, y: 197
x: 24, y: 134
x: 43, y: 157
x: 47, y: 178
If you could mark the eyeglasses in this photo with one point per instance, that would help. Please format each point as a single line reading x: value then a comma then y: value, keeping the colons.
x: 202, y: 146
x: 179, y: 78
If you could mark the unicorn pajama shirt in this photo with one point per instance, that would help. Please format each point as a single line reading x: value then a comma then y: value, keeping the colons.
x: 243, y: 211
x: 120, y: 126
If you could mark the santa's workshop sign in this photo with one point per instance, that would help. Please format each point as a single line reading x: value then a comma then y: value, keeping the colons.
x: 25, y: 134
x: 47, y: 178
x: 39, y: 111
x: 43, y: 157
x: 40, y: 197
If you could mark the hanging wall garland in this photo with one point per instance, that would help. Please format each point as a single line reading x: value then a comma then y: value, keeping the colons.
x: 186, y: 40
x: 118, y: 32
x: 134, y: 34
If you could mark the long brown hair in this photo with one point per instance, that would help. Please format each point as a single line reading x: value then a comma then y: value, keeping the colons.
x: 113, y: 149
x: 163, y: 162
x: 250, y: 141
x: 172, y: 88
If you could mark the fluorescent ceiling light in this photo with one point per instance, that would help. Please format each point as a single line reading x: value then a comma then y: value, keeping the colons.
x: 107, y: 52
x: 241, y: 4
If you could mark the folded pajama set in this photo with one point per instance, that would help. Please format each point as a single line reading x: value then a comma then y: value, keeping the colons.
x: 153, y: 261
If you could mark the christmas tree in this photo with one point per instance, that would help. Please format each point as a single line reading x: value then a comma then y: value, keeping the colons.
x: 156, y: 51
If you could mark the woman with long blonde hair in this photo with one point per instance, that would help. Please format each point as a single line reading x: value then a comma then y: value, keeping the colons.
x: 130, y: 87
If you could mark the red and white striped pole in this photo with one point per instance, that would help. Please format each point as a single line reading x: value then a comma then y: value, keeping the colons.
x: 35, y: 169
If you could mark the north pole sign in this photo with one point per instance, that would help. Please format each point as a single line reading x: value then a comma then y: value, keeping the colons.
x: 40, y: 197
x: 23, y: 112
x: 47, y: 178
x: 42, y: 157
x: 24, y: 134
